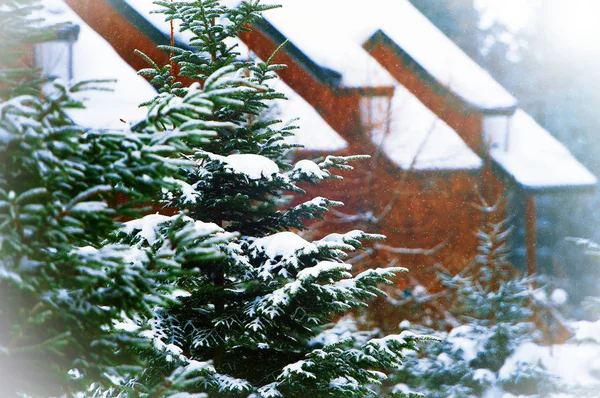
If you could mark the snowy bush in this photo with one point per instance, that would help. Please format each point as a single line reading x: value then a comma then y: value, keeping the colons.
x: 491, y: 309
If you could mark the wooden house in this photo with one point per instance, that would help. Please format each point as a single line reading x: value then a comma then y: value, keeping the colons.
x: 383, y: 80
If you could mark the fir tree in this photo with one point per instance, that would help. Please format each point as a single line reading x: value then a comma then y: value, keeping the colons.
x: 65, y: 293
x: 493, y: 306
x: 249, y: 321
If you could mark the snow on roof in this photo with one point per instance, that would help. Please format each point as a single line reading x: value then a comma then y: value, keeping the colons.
x: 147, y: 8
x: 528, y: 153
x: 415, y: 129
x: 331, y: 35
x: 94, y: 58
x: 413, y: 137
x: 314, y: 133
x: 439, y: 56
x: 326, y: 32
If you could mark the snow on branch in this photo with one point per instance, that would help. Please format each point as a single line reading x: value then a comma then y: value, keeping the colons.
x: 341, y: 162
x: 255, y: 167
x: 388, y: 350
x: 349, y: 241
x: 309, y: 170
x: 147, y: 226
x: 310, y: 209
x: 592, y: 248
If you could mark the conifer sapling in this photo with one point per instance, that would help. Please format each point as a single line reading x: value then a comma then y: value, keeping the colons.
x: 246, y: 323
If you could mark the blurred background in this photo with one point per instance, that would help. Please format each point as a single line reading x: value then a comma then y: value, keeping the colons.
x: 547, y: 54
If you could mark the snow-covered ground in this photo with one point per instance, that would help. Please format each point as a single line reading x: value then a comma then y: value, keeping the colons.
x: 575, y: 364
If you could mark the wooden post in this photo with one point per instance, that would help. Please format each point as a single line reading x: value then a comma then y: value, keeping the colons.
x: 530, y: 234
x: 548, y: 319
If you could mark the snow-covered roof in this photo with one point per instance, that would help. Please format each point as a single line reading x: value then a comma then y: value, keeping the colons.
x: 413, y: 137
x: 332, y: 43
x: 417, y: 139
x: 326, y: 38
x: 531, y: 156
x: 317, y: 59
x: 313, y: 133
x: 437, y: 58
x: 94, y: 58
x: 329, y: 32
x: 142, y: 13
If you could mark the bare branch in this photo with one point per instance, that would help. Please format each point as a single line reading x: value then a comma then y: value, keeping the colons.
x: 405, y: 250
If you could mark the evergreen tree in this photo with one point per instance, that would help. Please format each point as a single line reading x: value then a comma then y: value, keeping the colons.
x: 65, y: 294
x: 251, y: 320
x: 493, y: 307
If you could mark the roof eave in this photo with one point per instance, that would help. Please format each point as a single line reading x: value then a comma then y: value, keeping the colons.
x: 323, y: 75
x: 544, y: 189
x: 502, y: 111
x: 140, y: 22
x: 379, y: 37
x: 559, y: 189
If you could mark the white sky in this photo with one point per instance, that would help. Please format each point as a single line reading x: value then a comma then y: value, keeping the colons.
x: 573, y: 26
x: 516, y: 14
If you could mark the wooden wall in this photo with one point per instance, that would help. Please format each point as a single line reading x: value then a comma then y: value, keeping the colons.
x: 428, y: 217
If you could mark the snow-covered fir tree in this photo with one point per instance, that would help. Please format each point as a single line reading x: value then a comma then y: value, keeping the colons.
x: 493, y: 307
x: 252, y: 321
x: 65, y: 294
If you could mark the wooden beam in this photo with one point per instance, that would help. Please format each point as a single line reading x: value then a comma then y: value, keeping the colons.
x: 530, y: 234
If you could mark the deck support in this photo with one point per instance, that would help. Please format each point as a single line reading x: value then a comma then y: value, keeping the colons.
x: 530, y: 234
